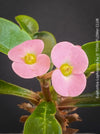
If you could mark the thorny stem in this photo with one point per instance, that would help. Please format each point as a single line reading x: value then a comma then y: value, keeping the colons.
x: 45, y: 89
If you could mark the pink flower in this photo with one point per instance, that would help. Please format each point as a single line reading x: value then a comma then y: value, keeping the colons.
x: 71, y: 62
x: 28, y: 60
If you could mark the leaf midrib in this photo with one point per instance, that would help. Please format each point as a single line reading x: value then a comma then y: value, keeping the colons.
x: 44, y: 128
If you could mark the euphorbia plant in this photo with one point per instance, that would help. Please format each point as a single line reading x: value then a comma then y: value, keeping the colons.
x: 33, y: 54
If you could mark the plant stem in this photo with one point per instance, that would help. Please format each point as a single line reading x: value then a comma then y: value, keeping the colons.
x: 45, y: 89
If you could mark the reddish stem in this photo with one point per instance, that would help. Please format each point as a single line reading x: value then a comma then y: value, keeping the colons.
x: 45, y: 89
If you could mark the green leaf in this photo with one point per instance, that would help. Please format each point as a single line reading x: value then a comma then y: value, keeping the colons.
x: 48, y: 39
x: 42, y: 120
x: 11, y: 35
x: 28, y: 24
x: 84, y: 100
x: 88, y: 100
x: 92, y: 50
x: 11, y: 89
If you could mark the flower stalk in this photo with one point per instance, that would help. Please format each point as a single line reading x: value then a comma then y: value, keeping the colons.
x: 45, y: 89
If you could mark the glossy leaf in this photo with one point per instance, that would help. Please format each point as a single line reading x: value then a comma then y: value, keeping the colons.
x: 42, y: 120
x: 92, y: 50
x: 28, y: 24
x: 48, y: 39
x: 11, y: 89
x: 11, y: 35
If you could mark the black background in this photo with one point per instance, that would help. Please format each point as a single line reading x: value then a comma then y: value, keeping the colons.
x: 68, y: 20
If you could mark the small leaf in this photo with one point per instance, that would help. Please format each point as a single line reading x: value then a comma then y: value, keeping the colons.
x: 10, y: 35
x: 92, y: 50
x: 48, y: 39
x: 28, y: 24
x: 11, y: 89
x: 42, y: 120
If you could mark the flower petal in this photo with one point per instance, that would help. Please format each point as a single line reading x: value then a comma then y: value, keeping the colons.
x: 30, y: 71
x: 23, y: 70
x: 72, y: 86
x: 31, y: 46
x: 79, y: 60
x: 61, y: 53
x: 42, y: 65
x: 65, y: 52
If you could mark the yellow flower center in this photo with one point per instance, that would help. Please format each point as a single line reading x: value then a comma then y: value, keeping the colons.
x: 66, y: 69
x: 30, y: 58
